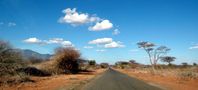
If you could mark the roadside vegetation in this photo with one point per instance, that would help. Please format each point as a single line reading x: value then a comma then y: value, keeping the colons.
x: 10, y: 62
x: 165, y: 72
x: 14, y: 69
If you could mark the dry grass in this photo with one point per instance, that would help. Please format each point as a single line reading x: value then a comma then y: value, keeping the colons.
x: 56, y: 82
x: 170, y: 78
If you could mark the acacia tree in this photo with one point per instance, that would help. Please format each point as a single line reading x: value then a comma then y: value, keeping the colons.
x: 153, y: 53
x: 168, y: 59
x: 132, y: 61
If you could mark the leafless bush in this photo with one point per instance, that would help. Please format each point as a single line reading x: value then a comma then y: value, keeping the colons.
x: 10, y: 61
x: 65, y: 60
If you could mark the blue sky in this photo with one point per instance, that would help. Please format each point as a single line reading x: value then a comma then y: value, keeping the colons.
x: 104, y: 30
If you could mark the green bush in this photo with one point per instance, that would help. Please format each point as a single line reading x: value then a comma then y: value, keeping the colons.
x: 104, y: 65
x: 92, y: 62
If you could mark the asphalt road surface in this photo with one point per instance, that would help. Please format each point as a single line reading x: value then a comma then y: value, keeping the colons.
x: 114, y: 80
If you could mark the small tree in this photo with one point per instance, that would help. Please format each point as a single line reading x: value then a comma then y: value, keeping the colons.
x: 168, y: 59
x: 92, y: 62
x: 132, y: 61
x: 104, y: 65
x: 66, y: 60
x: 194, y: 64
x: 184, y: 64
x: 153, y: 53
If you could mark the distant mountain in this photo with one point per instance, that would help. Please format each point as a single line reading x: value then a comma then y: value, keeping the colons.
x: 27, y: 53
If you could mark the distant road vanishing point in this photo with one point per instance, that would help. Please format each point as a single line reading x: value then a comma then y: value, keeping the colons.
x: 114, y: 80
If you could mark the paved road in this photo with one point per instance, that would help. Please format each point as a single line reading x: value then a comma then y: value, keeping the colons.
x: 114, y: 80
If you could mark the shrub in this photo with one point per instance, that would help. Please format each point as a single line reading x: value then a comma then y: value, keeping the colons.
x: 10, y: 59
x: 188, y: 75
x: 33, y: 71
x: 66, y: 60
x: 104, y: 65
x: 194, y: 64
x: 184, y: 64
x: 92, y: 62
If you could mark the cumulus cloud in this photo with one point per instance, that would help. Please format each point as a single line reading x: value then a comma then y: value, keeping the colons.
x: 55, y: 40
x: 114, y: 45
x: 88, y: 47
x: 116, y: 32
x: 107, y: 43
x: 67, y: 44
x: 103, y: 25
x: 10, y: 24
x: 75, y: 18
x: 33, y: 40
x: 194, y: 47
x: 101, y: 41
x: 59, y: 41
x: 100, y: 50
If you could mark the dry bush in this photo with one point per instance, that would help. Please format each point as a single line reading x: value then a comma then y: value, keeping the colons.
x: 65, y: 60
x: 10, y: 61
x: 33, y: 71
x: 104, y: 65
x: 47, y: 66
x: 35, y: 60
x: 188, y: 75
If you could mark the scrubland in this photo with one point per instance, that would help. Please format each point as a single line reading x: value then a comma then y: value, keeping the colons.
x: 168, y: 79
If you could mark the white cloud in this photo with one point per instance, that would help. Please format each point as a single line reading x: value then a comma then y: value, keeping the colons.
x: 55, y: 40
x: 75, y: 18
x: 101, y: 41
x: 10, y: 24
x: 67, y: 44
x: 194, y: 47
x: 59, y: 41
x: 88, y: 47
x: 100, y: 50
x: 114, y: 45
x: 103, y: 25
x: 107, y: 43
x: 116, y: 32
x: 33, y: 40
